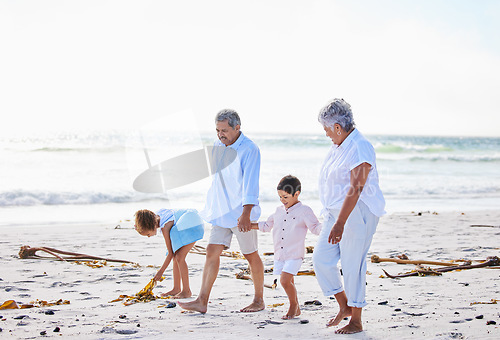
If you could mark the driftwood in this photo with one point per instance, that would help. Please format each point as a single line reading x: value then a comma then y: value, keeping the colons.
x: 309, y: 250
x: 490, y: 261
x: 242, y: 276
x: 203, y: 251
x: 376, y: 259
x: 484, y: 226
x: 28, y: 252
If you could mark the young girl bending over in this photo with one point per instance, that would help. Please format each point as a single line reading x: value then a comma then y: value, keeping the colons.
x: 180, y: 228
x: 289, y: 224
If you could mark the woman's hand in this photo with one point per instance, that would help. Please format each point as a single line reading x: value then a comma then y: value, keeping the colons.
x: 336, y: 233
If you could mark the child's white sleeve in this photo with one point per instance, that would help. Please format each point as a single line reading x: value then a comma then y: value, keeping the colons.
x: 268, y: 225
x: 312, y: 222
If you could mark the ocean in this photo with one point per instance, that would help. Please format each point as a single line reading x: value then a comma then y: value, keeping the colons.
x: 88, y: 176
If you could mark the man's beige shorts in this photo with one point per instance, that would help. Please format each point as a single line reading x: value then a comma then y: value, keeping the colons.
x: 248, y: 241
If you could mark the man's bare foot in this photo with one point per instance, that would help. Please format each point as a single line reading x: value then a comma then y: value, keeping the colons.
x: 183, y: 295
x: 195, y: 305
x: 172, y: 292
x: 255, y: 306
x: 351, y: 328
x: 343, y: 313
x: 293, y: 311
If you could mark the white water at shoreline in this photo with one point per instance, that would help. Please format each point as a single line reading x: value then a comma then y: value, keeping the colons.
x: 70, y: 177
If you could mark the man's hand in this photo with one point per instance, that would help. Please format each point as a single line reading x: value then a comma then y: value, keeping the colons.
x: 244, y: 224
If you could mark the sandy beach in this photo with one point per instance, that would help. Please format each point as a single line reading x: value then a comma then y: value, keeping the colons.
x: 413, y: 307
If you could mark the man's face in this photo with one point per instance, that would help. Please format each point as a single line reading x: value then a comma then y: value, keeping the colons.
x: 226, y: 134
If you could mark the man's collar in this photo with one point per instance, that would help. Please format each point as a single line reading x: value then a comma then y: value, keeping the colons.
x: 238, y: 141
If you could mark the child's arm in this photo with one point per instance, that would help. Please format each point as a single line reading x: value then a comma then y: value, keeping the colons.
x: 160, y: 272
x: 166, y: 235
x: 266, y: 226
x: 312, y: 222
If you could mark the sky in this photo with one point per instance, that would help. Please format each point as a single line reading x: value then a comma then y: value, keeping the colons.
x: 429, y: 67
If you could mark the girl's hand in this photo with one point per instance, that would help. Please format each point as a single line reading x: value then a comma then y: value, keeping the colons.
x: 336, y: 233
x: 158, y: 276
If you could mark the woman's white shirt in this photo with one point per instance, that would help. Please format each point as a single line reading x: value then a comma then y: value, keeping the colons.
x: 335, y: 174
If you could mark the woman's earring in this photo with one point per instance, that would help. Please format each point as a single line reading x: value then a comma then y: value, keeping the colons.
x: 339, y: 133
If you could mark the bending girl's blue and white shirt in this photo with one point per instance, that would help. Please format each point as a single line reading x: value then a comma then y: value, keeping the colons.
x: 188, y: 226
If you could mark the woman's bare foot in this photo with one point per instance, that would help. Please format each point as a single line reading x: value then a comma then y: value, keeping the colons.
x: 195, y: 305
x: 172, y: 292
x: 183, y: 295
x: 351, y: 328
x: 343, y: 313
x: 255, y: 306
x: 293, y: 311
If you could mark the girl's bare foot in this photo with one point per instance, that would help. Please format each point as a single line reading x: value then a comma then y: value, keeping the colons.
x: 172, y: 292
x: 183, y: 295
x: 293, y: 311
x: 343, y: 313
x: 351, y: 328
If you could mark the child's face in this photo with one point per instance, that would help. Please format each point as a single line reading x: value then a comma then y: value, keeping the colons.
x: 147, y: 233
x: 287, y: 199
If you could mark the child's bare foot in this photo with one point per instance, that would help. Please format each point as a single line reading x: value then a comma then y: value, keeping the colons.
x: 195, y: 305
x: 183, y: 295
x: 255, y: 306
x: 351, y: 328
x: 172, y: 292
x: 343, y: 313
x: 293, y: 311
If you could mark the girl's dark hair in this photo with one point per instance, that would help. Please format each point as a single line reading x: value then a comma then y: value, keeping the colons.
x: 145, y: 220
x: 289, y: 184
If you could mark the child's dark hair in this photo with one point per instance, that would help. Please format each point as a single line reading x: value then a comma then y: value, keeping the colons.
x: 145, y: 220
x: 289, y: 184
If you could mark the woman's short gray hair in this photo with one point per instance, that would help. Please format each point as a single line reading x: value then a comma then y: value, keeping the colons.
x: 338, y: 111
x: 230, y: 115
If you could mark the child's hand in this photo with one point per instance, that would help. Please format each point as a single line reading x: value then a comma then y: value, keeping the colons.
x: 158, y: 276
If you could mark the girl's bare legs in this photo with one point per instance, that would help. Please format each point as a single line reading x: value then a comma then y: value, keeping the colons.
x: 177, y: 281
x: 180, y: 261
x: 288, y: 284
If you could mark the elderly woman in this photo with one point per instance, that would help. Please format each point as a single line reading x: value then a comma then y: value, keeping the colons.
x: 352, y: 204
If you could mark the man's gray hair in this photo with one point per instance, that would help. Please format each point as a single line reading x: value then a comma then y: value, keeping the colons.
x: 230, y: 115
x: 338, y: 111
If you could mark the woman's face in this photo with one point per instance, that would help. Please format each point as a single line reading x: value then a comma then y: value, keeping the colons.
x: 332, y: 134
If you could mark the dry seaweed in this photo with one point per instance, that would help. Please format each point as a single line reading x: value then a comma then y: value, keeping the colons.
x: 145, y: 295
x: 11, y: 304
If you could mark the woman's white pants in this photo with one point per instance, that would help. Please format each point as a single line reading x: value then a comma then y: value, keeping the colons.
x: 351, y: 251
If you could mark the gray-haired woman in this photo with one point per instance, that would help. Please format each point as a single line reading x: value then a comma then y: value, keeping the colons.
x: 352, y: 204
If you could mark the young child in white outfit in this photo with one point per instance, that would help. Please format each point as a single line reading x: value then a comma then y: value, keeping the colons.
x: 289, y: 224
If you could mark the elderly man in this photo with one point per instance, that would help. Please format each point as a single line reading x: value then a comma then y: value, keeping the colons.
x: 232, y: 202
